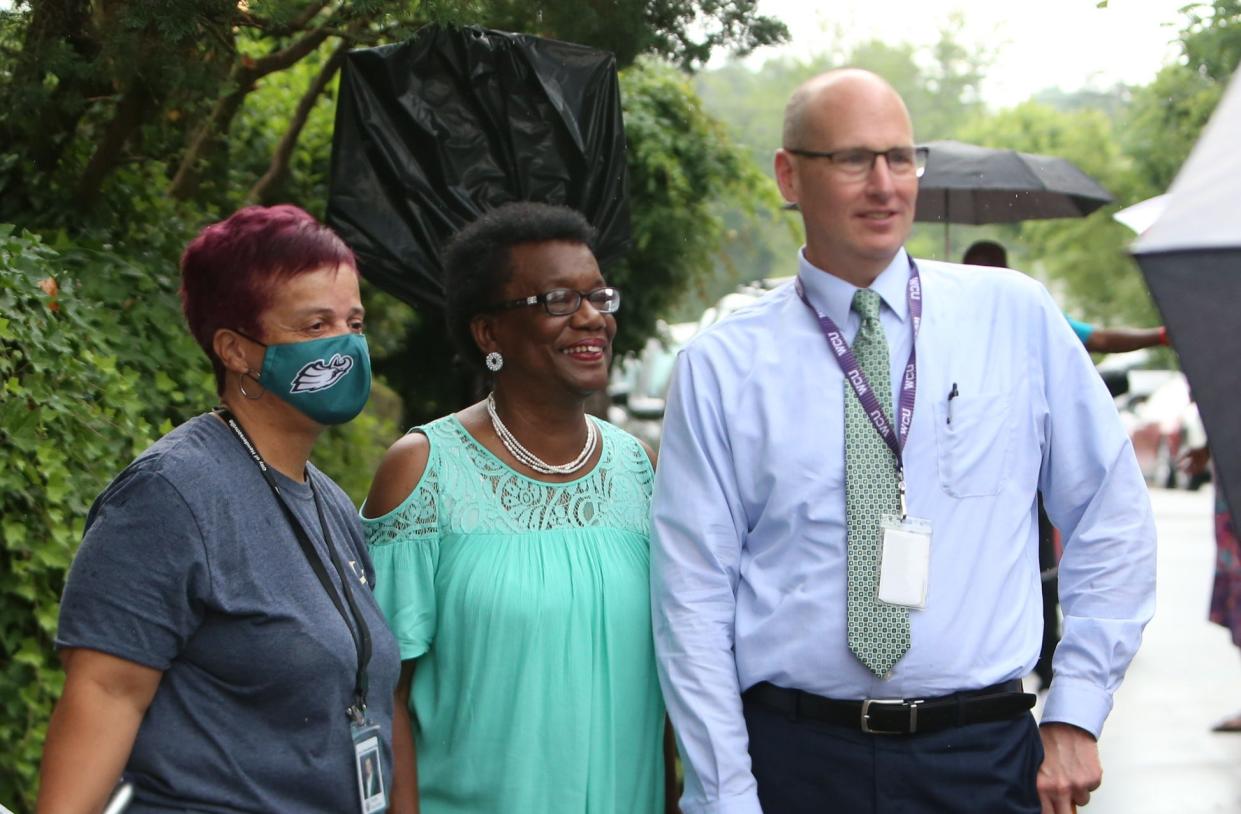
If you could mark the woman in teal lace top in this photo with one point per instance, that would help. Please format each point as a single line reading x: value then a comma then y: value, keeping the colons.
x: 510, y: 543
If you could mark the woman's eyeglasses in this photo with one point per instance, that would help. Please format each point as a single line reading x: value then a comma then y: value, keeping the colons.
x: 560, y: 302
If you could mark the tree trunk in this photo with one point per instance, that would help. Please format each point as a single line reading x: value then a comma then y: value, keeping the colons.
x: 52, y: 22
x: 244, y: 76
x: 131, y: 113
x: 267, y: 187
x: 205, y: 139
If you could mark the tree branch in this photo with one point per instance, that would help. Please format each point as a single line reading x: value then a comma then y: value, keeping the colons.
x: 130, y: 114
x: 51, y: 24
x: 286, y: 57
x: 244, y: 75
x: 280, y: 29
x: 277, y: 171
x: 311, y: 11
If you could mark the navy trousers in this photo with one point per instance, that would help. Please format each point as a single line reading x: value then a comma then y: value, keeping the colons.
x: 805, y: 767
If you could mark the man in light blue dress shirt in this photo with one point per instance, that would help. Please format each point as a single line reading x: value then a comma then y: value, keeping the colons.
x: 749, y: 546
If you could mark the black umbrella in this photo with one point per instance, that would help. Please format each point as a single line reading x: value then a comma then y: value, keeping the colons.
x: 432, y: 132
x: 1191, y: 258
x: 965, y: 183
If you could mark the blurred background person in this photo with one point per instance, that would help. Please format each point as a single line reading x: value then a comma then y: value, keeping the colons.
x: 204, y: 658
x: 511, y: 547
x: 1096, y: 340
x: 1226, y: 587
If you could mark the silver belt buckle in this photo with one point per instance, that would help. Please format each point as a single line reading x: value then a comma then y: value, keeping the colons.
x: 913, y: 715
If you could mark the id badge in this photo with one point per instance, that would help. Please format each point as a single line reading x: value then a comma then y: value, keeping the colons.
x: 372, y: 789
x: 905, y: 561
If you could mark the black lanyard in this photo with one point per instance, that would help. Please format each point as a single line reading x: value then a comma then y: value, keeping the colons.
x: 360, y: 633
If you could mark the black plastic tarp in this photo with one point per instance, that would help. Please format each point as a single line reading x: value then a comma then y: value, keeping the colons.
x: 432, y: 132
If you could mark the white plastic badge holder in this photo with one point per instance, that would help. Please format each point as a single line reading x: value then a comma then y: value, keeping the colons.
x: 370, y: 769
x: 905, y: 561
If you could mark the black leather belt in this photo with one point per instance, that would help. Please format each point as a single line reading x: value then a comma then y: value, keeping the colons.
x: 881, y: 716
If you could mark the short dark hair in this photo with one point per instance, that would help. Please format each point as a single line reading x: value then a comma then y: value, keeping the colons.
x: 230, y: 270
x: 478, y: 259
x: 986, y: 253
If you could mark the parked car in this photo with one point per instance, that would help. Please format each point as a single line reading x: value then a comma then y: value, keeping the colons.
x: 1163, y: 422
x: 640, y: 383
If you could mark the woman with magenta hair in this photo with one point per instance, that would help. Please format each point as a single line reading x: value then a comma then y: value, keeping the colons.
x: 222, y: 648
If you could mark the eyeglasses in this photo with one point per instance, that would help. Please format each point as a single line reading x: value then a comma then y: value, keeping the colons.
x: 857, y: 162
x: 560, y: 302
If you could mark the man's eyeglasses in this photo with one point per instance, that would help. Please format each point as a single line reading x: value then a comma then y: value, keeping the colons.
x: 857, y: 162
x: 560, y: 302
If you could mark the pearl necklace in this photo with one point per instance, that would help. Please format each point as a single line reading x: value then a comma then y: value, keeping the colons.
x: 529, y: 458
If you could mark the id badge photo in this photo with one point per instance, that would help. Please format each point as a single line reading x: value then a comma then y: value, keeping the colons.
x: 372, y: 789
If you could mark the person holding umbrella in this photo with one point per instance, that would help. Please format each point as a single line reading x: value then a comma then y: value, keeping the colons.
x: 844, y: 559
x: 1096, y: 340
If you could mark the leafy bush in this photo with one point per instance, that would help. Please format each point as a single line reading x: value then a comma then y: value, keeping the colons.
x: 70, y: 414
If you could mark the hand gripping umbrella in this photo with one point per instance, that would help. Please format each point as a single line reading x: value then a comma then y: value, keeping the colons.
x: 432, y: 132
x: 965, y: 183
x: 1191, y: 258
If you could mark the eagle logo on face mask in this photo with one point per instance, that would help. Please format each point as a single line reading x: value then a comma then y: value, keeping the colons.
x: 320, y: 375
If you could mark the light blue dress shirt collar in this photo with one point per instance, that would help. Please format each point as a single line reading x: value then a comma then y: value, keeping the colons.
x: 834, y: 296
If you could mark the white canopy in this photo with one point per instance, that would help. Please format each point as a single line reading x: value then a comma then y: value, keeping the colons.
x: 1204, y: 203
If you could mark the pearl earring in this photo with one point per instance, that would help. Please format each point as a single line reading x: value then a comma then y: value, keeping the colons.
x: 494, y: 361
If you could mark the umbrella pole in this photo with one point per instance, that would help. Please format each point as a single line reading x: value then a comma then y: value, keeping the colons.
x: 947, y: 220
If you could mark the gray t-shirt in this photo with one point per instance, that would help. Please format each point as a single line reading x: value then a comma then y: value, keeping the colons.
x: 189, y: 566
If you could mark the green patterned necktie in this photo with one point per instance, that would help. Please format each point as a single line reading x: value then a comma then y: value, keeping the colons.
x: 878, y: 633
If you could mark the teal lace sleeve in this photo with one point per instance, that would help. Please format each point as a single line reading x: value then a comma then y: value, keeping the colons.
x: 404, y: 547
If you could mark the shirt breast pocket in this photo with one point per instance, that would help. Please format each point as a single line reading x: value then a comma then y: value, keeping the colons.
x: 974, y: 447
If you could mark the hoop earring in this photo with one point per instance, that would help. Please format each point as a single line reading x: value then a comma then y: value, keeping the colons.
x: 241, y: 385
x: 494, y: 361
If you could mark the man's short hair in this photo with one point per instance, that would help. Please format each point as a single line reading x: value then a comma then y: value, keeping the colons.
x: 799, y: 102
x: 986, y: 253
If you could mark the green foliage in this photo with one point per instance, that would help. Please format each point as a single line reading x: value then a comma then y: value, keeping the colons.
x: 1083, y: 259
x: 1211, y: 39
x: 683, y: 33
x: 683, y: 171
x: 1167, y: 115
x: 940, y: 85
x: 1164, y: 121
x: 261, y: 125
x: 70, y: 412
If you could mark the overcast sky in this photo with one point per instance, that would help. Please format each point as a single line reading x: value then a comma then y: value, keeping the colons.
x: 1067, y: 43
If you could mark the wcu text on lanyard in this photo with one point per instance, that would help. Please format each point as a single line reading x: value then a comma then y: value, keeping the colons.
x: 895, y: 439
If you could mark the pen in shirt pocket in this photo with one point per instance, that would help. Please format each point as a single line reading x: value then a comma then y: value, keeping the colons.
x: 952, y: 394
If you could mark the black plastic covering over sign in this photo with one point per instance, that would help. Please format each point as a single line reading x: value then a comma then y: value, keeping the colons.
x: 432, y: 132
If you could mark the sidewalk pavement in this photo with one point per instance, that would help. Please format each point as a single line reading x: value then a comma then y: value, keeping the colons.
x: 1159, y: 755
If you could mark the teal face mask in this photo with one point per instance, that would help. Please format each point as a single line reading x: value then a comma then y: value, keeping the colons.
x: 329, y: 379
